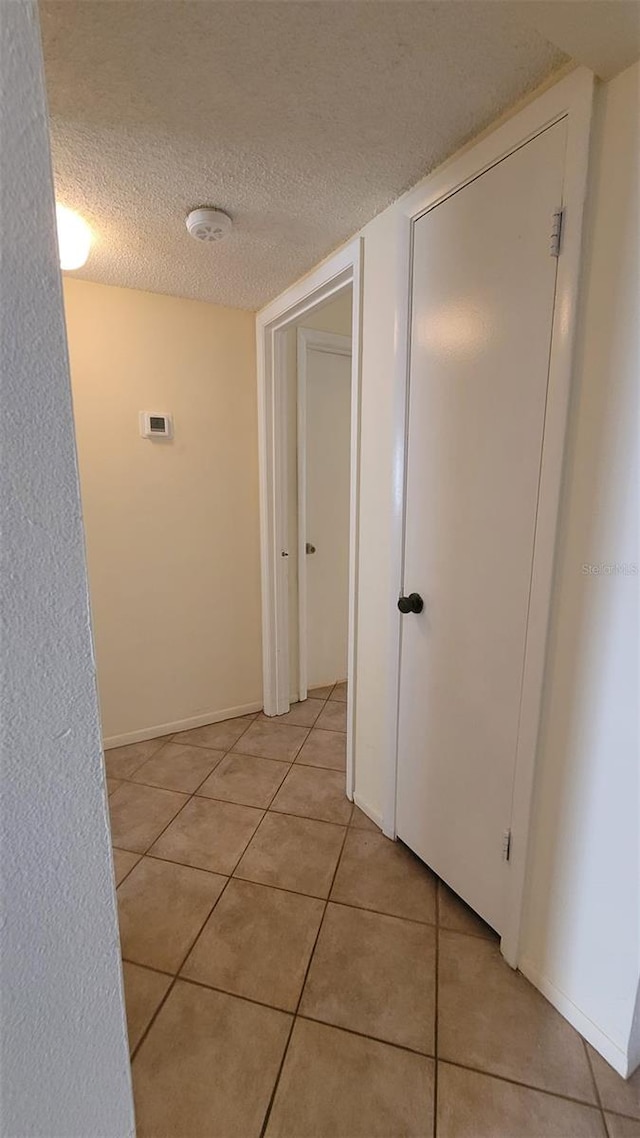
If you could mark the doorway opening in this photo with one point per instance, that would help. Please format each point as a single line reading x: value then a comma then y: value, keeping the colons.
x: 309, y: 396
x: 319, y: 430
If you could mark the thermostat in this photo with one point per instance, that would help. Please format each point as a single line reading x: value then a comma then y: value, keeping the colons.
x: 156, y: 425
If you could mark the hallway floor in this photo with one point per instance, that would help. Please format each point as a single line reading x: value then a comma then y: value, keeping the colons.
x: 289, y: 972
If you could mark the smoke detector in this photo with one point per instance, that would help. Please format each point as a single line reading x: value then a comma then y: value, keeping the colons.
x: 208, y: 224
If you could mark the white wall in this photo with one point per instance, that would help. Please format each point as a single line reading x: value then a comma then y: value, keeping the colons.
x: 172, y: 527
x: 64, y: 1065
x: 582, y: 937
x: 584, y: 914
x: 335, y: 316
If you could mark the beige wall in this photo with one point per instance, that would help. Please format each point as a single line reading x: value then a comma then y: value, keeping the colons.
x: 172, y: 528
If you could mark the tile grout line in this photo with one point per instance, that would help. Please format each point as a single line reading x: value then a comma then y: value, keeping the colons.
x: 595, y: 1086
x: 175, y: 975
x: 162, y: 741
x: 123, y: 879
x: 284, y: 888
x: 296, y: 1014
x: 189, y: 795
x: 287, y: 1011
x: 620, y: 1114
x: 373, y: 1038
x: 303, y: 986
x: 172, y: 985
x: 298, y: 892
x: 226, y: 755
x: 519, y: 1083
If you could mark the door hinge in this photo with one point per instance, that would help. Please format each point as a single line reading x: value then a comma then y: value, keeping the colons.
x: 556, y: 233
x: 506, y: 845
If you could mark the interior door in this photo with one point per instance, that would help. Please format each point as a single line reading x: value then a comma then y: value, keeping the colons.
x: 482, y: 308
x: 326, y: 530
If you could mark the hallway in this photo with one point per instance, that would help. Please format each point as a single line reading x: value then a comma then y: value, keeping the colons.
x: 291, y: 972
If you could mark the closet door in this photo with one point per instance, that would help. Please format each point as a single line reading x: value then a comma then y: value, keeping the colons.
x: 482, y: 309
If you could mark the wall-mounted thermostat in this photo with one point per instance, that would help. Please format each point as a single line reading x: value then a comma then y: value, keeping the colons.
x: 154, y: 425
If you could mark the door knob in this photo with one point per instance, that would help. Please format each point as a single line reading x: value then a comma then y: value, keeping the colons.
x: 412, y: 603
x: 309, y: 548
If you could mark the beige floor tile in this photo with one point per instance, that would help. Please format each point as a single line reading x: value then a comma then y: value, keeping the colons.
x: 143, y: 993
x: 161, y: 909
x: 218, y: 736
x: 339, y: 692
x: 620, y: 1127
x: 320, y: 693
x: 121, y: 762
x: 333, y: 717
x: 324, y: 749
x: 374, y: 974
x: 622, y: 1096
x: 312, y: 792
x: 302, y: 714
x: 269, y: 740
x: 209, y: 835
x: 337, y: 1085
x: 491, y: 1018
x: 140, y: 813
x: 293, y: 853
x: 245, y: 780
x: 477, y: 1106
x: 361, y: 821
x: 178, y: 766
x: 207, y: 1067
x: 455, y: 915
x: 257, y: 943
x: 375, y: 873
x: 123, y: 863
x: 113, y: 784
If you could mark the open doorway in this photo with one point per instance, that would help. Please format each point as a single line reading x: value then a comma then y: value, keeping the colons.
x: 309, y: 409
x: 318, y: 483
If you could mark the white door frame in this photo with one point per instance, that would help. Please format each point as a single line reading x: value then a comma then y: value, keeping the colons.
x: 308, y: 340
x: 332, y: 277
x: 570, y: 99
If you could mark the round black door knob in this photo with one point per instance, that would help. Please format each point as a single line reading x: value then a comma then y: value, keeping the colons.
x: 412, y: 603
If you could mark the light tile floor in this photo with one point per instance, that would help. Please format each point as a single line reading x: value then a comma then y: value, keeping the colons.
x: 291, y: 973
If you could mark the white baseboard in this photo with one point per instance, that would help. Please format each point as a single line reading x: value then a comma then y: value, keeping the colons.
x: 368, y: 810
x: 179, y: 725
x: 605, y: 1046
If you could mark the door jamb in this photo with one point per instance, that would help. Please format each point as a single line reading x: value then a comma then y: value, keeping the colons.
x: 338, y: 272
x: 308, y: 340
x: 571, y: 98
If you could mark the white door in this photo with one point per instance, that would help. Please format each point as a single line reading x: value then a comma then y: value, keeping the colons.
x: 324, y: 532
x: 482, y: 307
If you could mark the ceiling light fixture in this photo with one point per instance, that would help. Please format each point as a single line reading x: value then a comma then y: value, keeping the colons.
x: 208, y: 224
x: 74, y: 238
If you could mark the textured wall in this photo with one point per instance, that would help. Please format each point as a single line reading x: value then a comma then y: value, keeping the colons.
x: 64, y: 1060
x: 172, y: 527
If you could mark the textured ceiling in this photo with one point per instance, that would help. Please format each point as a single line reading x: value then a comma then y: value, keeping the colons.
x: 302, y: 120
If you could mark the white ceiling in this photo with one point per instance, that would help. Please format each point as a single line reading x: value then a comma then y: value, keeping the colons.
x: 301, y: 119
